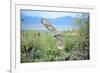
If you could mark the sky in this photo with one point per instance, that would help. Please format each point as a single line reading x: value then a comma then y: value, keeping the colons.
x: 31, y: 20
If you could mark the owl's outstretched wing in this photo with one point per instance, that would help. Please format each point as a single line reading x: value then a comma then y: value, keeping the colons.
x: 46, y: 23
x: 57, y: 35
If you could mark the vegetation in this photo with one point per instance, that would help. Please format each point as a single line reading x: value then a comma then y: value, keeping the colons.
x: 40, y: 46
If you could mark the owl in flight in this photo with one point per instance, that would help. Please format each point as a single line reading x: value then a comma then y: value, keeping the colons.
x: 56, y: 34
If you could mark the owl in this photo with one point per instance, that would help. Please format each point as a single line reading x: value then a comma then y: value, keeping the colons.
x: 58, y: 36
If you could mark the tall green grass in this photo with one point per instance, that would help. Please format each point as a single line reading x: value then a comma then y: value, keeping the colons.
x: 45, y: 49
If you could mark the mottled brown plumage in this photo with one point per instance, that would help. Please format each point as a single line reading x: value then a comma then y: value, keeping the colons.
x: 57, y: 35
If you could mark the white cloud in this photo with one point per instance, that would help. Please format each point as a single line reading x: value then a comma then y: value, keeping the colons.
x: 52, y: 15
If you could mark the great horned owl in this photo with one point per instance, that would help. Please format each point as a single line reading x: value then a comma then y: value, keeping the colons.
x: 56, y: 34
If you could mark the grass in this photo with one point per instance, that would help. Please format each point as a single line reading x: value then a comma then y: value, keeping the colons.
x: 41, y: 46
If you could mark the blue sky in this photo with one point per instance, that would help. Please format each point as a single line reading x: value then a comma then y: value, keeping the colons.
x: 31, y: 20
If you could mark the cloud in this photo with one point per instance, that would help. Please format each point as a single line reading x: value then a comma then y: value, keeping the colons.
x: 45, y: 14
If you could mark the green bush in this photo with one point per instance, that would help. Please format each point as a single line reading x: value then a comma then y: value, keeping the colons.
x: 41, y: 46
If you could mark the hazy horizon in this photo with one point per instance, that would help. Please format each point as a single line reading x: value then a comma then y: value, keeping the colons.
x: 31, y: 20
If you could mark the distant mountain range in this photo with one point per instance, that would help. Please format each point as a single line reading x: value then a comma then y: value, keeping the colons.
x: 58, y: 21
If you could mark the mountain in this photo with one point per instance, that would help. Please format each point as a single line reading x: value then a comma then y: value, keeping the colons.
x: 30, y: 20
x: 63, y: 20
x: 37, y: 20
